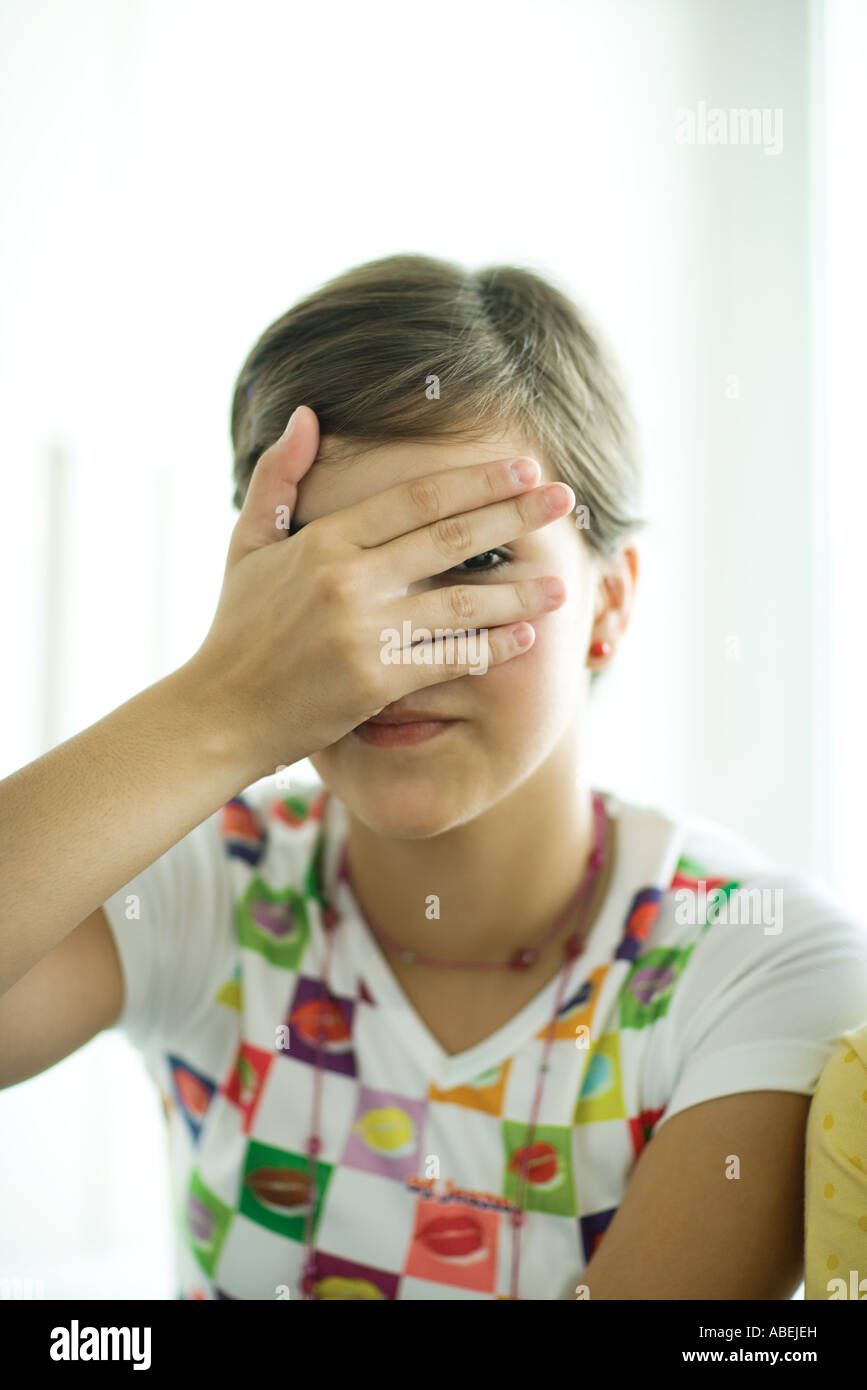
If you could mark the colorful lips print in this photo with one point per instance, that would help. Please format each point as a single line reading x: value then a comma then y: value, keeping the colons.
x: 201, y: 1221
x: 388, y: 1130
x: 277, y: 920
x: 457, y: 1237
x: 237, y: 819
x: 241, y: 831
x: 322, y: 1020
x: 284, y: 1191
x: 336, y: 1287
x: 274, y: 922
x: 540, y: 1164
x: 650, y: 982
x: 194, y: 1093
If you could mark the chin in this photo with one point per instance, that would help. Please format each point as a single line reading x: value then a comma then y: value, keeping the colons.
x: 407, y: 806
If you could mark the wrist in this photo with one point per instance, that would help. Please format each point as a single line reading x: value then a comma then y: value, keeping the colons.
x: 206, y: 710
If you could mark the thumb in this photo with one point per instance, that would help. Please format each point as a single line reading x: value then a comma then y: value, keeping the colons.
x: 273, y: 488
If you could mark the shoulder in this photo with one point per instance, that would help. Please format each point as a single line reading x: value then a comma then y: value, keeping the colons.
x: 711, y: 878
x: 697, y: 892
x: 744, y: 973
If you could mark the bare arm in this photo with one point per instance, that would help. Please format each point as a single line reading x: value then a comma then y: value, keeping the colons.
x: 85, y: 818
x: 293, y: 656
x: 69, y: 996
x: 688, y: 1229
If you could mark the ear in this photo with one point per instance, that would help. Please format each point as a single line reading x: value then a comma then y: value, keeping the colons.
x: 617, y: 578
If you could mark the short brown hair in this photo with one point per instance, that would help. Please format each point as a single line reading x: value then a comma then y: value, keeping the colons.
x: 508, y: 350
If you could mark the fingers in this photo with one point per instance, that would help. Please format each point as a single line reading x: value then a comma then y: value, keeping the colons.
x: 449, y: 659
x: 408, y: 506
x: 472, y: 606
x: 439, y: 547
x: 273, y: 488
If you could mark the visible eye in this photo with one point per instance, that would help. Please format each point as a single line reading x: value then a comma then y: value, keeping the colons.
x: 504, y: 559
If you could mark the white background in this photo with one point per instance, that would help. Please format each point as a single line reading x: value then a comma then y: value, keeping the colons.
x: 175, y: 175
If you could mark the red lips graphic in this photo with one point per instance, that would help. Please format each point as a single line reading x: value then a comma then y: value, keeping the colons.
x: 540, y: 1163
x: 238, y: 821
x: 321, y: 1016
x: 195, y: 1095
x: 453, y: 1237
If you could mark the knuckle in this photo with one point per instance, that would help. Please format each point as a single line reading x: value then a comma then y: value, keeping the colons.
x: 528, y: 596
x: 527, y: 508
x: 425, y: 498
x: 342, y: 581
x: 317, y: 536
x: 503, y: 646
x: 461, y: 601
x: 453, y: 664
x: 451, y: 536
x: 359, y: 660
x: 493, y: 482
x: 314, y: 545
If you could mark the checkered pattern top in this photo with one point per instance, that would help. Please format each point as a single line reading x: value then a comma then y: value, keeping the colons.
x: 708, y: 971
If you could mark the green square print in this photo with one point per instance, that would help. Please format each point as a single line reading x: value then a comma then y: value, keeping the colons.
x: 273, y: 922
x: 274, y: 1188
x: 550, y: 1186
x: 204, y: 1223
x: 649, y: 986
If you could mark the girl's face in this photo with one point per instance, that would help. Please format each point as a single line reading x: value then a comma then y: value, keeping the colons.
x: 515, y: 721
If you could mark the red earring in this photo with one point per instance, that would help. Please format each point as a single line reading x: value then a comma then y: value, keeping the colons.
x: 600, y: 648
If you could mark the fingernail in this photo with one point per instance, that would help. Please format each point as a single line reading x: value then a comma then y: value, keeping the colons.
x: 557, y: 498
x: 525, y: 471
x: 288, y: 429
x: 554, y: 588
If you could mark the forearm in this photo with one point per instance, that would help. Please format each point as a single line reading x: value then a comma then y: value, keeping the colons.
x: 86, y: 817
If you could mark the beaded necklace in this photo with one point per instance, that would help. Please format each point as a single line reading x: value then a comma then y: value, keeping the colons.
x: 519, y: 960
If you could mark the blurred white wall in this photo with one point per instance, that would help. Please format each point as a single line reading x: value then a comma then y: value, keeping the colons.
x: 176, y: 174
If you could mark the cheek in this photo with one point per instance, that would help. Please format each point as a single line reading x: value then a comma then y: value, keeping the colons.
x: 554, y: 653
x: 538, y: 680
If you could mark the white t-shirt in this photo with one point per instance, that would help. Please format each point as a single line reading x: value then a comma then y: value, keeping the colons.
x: 221, y: 946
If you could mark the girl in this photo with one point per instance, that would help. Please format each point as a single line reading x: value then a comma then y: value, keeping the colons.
x: 415, y: 1026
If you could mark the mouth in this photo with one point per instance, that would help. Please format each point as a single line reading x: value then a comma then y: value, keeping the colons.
x: 402, y: 730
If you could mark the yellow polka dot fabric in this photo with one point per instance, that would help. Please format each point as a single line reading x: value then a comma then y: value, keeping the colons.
x: 835, y: 1226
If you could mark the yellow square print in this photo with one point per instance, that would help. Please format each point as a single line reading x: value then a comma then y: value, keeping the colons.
x: 601, y: 1094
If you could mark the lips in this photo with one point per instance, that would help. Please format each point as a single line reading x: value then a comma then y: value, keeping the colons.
x: 648, y: 983
x: 322, y: 1021
x: 410, y: 717
x: 282, y: 1189
x: 201, y: 1221
x: 195, y: 1095
x: 409, y: 735
x: 337, y: 1287
x: 457, y: 1236
x: 540, y: 1164
x: 274, y: 919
